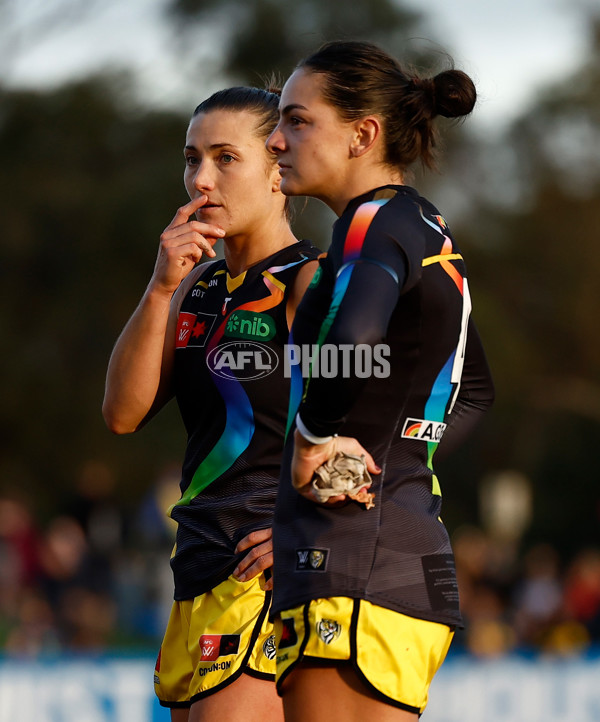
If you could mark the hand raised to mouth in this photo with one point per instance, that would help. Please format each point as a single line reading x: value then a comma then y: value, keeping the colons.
x: 182, y: 245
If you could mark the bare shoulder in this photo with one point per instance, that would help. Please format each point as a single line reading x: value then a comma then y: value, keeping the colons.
x: 304, y: 277
x: 301, y: 282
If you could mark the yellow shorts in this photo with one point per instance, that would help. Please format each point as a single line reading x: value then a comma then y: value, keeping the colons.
x: 214, y: 638
x: 396, y: 656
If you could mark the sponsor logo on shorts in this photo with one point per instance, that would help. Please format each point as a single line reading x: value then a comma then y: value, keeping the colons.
x: 289, y: 637
x: 216, y: 667
x: 423, y: 430
x: 328, y: 630
x: 269, y: 648
x: 157, y: 668
x: 213, y: 646
x: 242, y: 360
x: 311, y: 560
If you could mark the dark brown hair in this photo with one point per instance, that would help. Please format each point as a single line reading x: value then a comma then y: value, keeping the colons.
x: 362, y: 79
x: 263, y: 103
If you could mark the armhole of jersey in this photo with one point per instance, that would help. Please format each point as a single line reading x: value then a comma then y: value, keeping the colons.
x: 289, y: 287
x: 190, y: 281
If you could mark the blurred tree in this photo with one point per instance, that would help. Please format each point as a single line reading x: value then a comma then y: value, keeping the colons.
x: 23, y: 20
x: 532, y: 239
x: 271, y: 36
x: 87, y: 184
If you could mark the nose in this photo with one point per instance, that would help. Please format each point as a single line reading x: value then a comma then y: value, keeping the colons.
x: 276, y: 142
x: 203, y: 178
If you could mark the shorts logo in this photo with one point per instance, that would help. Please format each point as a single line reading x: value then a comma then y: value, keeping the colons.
x: 214, y: 667
x: 157, y: 668
x: 289, y: 637
x: 249, y: 325
x: 213, y: 646
x: 269, y: 648
x: 328, y: 630
x: 311, y: 560
x: 423, y: 430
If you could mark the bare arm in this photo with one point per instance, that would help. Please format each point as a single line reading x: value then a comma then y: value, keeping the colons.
x: 138, y: 381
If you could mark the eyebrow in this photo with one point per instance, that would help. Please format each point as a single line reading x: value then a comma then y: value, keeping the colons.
x: 214, y: 146
x: 292, y: 106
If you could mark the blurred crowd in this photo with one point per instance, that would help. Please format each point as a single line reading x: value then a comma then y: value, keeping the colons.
x: 93, y: 578
x: 96, y: 578
x: 532, y: 601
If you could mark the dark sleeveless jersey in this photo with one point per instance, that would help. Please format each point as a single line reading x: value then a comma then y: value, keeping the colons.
x: 404, y: 368
x: 233, y: 396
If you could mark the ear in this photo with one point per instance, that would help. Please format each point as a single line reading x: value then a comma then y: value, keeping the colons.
x: 276, y: 183
x: 367, y: 131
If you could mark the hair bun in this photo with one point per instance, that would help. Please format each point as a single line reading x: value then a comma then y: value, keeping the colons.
x: 425, y: 87
x: 454, y: 94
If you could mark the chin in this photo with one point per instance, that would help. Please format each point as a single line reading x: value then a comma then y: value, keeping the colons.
x: 290, y: 187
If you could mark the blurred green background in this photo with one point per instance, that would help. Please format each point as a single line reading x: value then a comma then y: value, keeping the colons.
x: 91, y: 173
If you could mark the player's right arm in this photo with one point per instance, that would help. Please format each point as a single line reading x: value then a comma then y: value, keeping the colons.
x: 138, y: 381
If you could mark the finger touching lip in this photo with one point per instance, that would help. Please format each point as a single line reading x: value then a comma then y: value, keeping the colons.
x: 208, y: 207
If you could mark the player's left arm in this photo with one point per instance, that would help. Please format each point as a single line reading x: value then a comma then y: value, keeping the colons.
x: 475, y: 396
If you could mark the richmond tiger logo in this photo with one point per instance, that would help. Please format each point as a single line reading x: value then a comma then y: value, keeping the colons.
x: 328, y: 630
x: 269, y: 648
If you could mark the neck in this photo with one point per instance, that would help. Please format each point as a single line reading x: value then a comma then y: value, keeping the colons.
x: 243, y: 251
x: 362, y: 181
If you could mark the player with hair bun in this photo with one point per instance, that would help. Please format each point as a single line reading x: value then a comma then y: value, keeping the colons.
x: 365, y: 593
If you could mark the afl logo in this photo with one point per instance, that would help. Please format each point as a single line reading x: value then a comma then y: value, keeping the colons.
x: 242, y: 360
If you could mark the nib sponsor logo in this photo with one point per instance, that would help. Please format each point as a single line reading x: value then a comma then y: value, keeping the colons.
x: 249, y: 325
x: 423, y: 430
